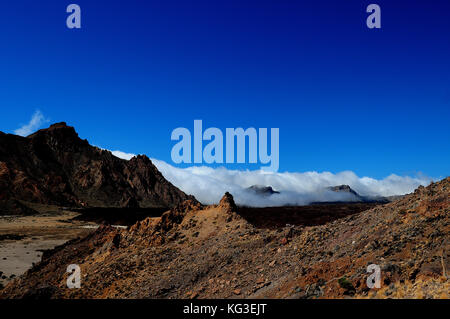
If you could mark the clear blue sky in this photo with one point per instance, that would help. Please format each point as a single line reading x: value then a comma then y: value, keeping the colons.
x: 344, y: 97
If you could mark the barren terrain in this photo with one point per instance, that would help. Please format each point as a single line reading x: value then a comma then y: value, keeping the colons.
x: 196, y: 251
x: 23, y: 239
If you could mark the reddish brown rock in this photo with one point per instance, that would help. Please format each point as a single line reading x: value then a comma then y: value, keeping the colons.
x: 54, y: 166
x: 407, y: 239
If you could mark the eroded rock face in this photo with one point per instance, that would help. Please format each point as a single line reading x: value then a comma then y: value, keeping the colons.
x: 55, y: 166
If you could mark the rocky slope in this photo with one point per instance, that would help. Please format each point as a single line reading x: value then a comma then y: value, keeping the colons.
x: 196, y: 251
x: 55, y: 166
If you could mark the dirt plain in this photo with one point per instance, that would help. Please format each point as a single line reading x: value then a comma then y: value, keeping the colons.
x: 23, y: 239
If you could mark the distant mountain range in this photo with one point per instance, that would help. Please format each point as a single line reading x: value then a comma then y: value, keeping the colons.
x: 54, y: 166
x: 353, y: 196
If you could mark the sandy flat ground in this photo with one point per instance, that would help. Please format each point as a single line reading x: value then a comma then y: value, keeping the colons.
x: 37, y: 233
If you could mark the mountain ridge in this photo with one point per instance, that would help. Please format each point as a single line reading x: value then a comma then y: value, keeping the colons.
x: 55, y: 166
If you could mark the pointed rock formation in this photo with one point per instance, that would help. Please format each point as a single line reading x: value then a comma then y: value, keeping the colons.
x: 227, y: 203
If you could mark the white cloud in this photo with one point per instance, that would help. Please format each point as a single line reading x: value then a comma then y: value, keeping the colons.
x: 123, y: 155
x: 36, y: 122
x: 119, y: 154
x: 209, y: 184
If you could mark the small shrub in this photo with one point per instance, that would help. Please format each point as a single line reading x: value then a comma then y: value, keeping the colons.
x: 346, y: 285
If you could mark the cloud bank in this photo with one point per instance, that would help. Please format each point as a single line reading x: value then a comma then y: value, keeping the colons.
x: 209, y: 184
x: 36, y: 121
x: 123, y: 155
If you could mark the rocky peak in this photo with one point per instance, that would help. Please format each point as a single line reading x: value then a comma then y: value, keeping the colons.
x: 55, y: 126
x: 58, y: 129
x: 58, y: 137
x: 342, y: 189
x: 141, y: 158
x: 227, y: 203
x: 54, y: 166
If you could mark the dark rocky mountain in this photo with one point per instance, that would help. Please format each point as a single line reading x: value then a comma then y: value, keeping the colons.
x: 54, y: 166
x: 262, y: 190
x: 346, y: 189
x: 350, y: 195
x: 343, y: 189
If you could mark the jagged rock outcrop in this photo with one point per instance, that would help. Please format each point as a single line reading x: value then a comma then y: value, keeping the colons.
x: 157, y: 229
x: 55, y: 166
x: 227, y: 203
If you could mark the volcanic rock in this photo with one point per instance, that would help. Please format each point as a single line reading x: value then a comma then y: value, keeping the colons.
x: 54, y: 166
x: 193, y: 248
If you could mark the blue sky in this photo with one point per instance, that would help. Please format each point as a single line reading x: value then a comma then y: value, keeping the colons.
x: 345, y: 97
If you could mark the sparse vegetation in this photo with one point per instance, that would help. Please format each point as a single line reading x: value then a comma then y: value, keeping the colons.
x: 346, y: 285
